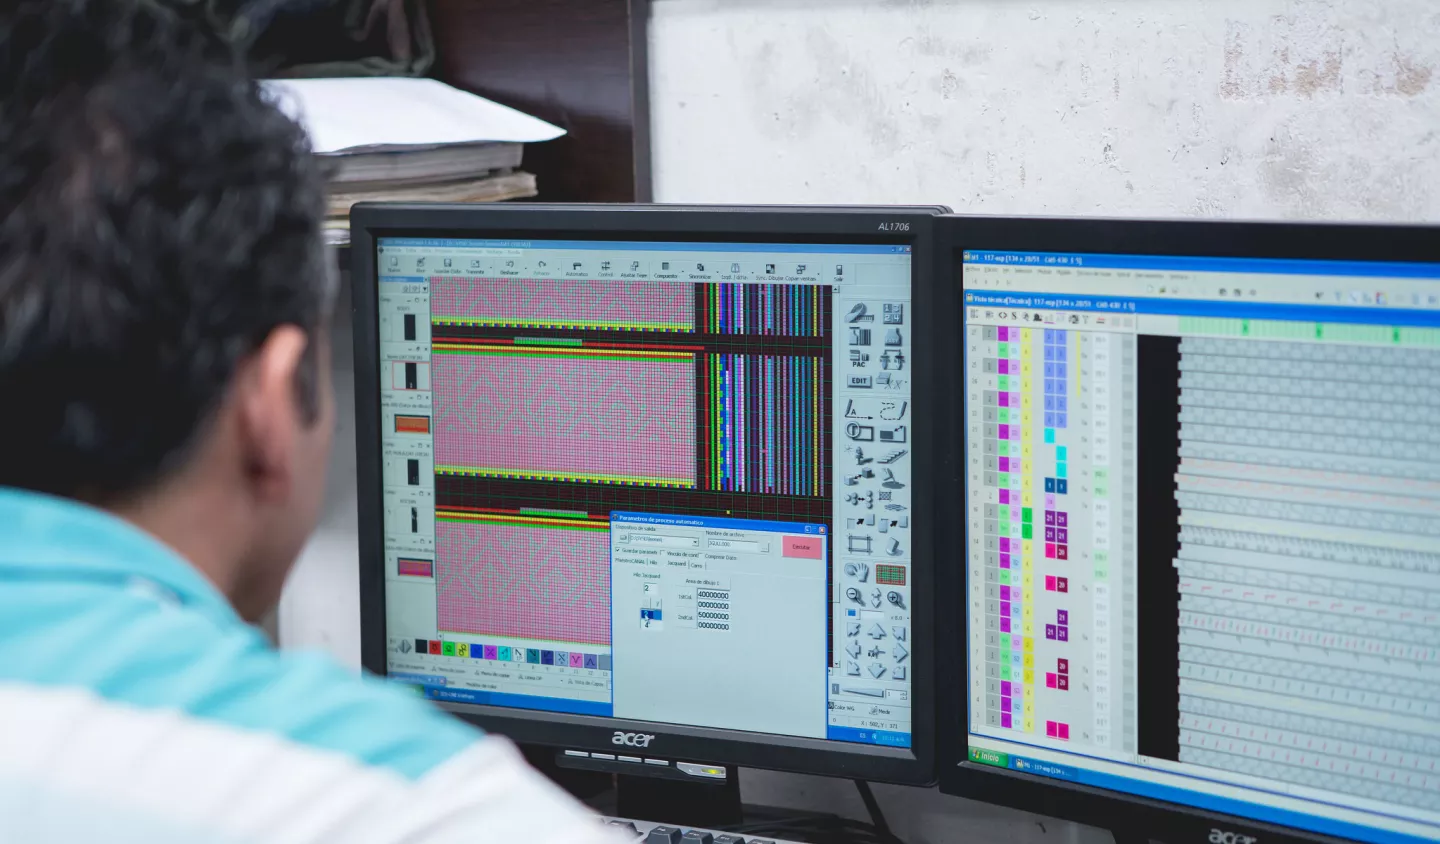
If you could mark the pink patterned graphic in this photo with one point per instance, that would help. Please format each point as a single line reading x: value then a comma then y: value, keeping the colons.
x: 523, y: 582
x: 563, y: 303
x: 598, y: 419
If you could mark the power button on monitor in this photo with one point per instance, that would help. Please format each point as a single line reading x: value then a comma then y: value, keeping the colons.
x: 714, y: 772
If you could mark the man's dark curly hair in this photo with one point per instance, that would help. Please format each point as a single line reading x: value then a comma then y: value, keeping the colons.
x: 159, y: 217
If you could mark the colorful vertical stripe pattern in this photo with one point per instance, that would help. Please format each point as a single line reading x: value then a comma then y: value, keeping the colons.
x: 785, y: 310
x: 764, y: 424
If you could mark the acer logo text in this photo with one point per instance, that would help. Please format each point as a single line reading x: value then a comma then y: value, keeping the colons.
x: 1220, y: 836
x: 643, y: 740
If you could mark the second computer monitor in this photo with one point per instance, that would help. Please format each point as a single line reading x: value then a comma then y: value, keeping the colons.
x: 650, y: 483
x: 1201, y: 511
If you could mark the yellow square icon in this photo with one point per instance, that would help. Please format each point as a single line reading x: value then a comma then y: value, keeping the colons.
x: 462, y: 649
x: 1029, y: 725
x: 1030, y: 660
x: 1028, y: 646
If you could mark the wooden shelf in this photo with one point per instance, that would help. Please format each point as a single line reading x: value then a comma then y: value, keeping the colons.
x: 580, y: 64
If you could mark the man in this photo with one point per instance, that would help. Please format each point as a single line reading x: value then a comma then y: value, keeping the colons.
x: 165, y: 414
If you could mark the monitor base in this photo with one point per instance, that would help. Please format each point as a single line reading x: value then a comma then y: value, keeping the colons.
x: 661, y: 795
x: 700, y: 804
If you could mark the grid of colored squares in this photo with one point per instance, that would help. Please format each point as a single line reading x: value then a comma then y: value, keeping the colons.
x: 1012, y: 702
x: 504, y: 653
x: 1015, y: 521
x: 1059, y: 679
x: 1016, y: 661
x: 1057, y: 531
x: 1010, y: 550
x: 1060, y: 630
x: 1012, y: 603
x: 1056, y: 583
x: 1056, y: 381
x: 1009, y: 528
x: 1008, y: 364
x: 1013, y: 652
x: 1057, y: 730
x: 1007, y: 400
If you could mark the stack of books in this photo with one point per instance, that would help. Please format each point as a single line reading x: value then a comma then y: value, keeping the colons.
x: 410, y: 140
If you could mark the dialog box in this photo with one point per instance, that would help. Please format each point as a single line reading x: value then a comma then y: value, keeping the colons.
x: 720, y: 622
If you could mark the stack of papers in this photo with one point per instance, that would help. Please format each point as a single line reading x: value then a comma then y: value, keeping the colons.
x: 410, y: 140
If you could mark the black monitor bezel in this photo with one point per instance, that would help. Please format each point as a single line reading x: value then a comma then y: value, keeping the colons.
x: 901, y: 226
x: 1131, y: 817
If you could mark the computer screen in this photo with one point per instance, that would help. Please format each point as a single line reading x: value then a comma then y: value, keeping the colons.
x: 1203, y: 525
x: 667, y: 482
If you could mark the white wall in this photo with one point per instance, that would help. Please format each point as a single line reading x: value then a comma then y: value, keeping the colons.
x: 1162, y: 108
x: 1233, y: 108
x: 1216, y: 108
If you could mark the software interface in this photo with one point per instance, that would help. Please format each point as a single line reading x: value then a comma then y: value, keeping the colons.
x: 660, y: 481
x: 1203, y: 506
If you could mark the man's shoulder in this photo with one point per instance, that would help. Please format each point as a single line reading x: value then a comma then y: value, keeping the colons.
x: 173, y: 722
x: 128, y: 647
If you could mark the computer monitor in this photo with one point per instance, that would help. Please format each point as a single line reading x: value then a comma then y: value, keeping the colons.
x: 1198, y: 590
x: 649, y: 484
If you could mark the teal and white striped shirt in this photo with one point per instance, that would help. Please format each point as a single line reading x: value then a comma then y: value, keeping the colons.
x: 136, y: 706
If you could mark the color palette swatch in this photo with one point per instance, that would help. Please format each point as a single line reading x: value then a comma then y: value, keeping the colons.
x: 507, y: 653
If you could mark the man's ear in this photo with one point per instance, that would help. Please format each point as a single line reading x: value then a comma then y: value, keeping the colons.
x: 268, y: 413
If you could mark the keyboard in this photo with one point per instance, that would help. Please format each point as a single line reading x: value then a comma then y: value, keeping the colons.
x: 647, y: 832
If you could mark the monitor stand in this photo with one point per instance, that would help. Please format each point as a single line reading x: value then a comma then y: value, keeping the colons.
x: 650, y: 798
x: 661, y: 797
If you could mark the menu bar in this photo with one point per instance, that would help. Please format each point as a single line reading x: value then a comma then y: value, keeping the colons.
x: 429, y: 244
x: 1335, y: 290
x: 1028, y: 301
x: 398, y: 266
